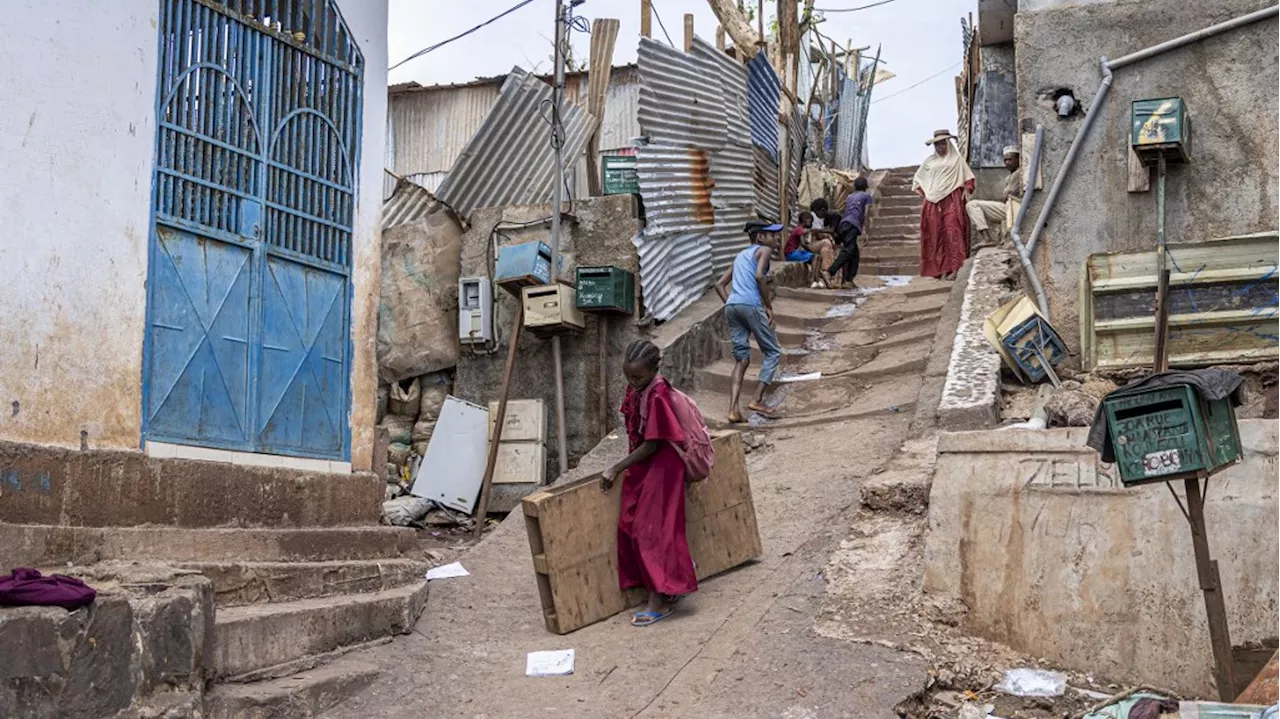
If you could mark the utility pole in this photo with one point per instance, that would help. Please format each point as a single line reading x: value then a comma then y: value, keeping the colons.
x: 557, y: 198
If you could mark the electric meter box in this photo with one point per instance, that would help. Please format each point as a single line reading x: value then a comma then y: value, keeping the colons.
x: 1161, y: 127
x: 606, y: 289
x: 549, y: 309
x: 1167, y: 433
x: 475, y: 310
x: 523, y: 265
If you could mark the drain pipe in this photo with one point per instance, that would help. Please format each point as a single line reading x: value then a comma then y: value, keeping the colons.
x: 1015, y: 232
x: 1107, y: 67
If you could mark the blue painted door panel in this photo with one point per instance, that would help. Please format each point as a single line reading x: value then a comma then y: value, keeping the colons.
x: 248, y: 314
x: 200, y: 333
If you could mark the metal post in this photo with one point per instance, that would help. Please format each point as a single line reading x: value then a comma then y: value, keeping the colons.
x: 557, y: 198
x: 1161, y: 362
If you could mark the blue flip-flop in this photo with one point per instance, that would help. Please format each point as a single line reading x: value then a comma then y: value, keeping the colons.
x: 645, y: 618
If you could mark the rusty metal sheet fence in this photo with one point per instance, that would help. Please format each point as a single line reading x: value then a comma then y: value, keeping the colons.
x: 696, y: 170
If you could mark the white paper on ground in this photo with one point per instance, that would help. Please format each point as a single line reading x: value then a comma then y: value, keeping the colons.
x: 555, y: 663
x: 447, y: 571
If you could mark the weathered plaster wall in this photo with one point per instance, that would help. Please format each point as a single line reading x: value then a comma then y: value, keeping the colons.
x: 1229, y: 83
x: 78, y: 143
x: 1054, y: 557
x: 77, y: 140
x: 368, y: 24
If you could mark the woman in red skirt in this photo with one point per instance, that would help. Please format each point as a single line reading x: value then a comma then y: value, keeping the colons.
x: 653, y: 551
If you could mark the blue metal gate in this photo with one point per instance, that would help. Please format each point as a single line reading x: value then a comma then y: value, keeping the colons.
x: 249, y: 288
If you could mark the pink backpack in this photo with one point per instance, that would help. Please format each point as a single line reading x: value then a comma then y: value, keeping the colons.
x: 697, y: 453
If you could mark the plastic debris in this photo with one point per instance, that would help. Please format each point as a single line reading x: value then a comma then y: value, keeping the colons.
x: 447, y: 571
x: 1026, y: 682
x: 554, y: 663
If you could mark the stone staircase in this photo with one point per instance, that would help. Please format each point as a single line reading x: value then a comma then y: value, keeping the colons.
x: 296, y: 592
x: 893, y: 238
x: 870, y: 348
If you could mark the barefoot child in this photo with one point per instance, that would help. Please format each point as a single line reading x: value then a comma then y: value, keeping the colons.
x: 653, y: 551
x: 748, y: 309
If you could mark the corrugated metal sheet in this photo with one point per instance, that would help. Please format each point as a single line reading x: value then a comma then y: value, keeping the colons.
x: 677, y: 104
x: 764, y: 91
x: 510, y: 161
x: 732, y: 164
x: 675, y: 270
x: 765, y: 184
x: 1223, y: 304
x: 795, y: 157
x: 675, y: 182
x: 845, y: 126
x: 428, y: 129
x: 408, y: 202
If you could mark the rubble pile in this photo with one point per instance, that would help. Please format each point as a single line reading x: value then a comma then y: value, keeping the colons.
x: 408, y: 411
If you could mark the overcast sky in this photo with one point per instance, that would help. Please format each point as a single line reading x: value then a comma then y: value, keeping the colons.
x: 920, y: 38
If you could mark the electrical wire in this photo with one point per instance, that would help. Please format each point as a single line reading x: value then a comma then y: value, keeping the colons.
x: 852, y: 9
x: 918, y: 84
x: 461, y: 35
x: 664, y: 27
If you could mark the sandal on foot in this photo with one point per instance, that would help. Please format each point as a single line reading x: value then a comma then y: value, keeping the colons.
x: 736, y: 418
x: 645, y: 618
x: 763, y: 410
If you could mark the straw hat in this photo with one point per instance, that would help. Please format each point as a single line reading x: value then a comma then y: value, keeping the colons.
x: 940, y: 135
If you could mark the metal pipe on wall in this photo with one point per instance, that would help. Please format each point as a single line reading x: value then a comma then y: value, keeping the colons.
x: 1015, y: 232
x: 1107, y: 67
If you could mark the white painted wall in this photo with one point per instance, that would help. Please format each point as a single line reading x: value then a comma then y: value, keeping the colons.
x: 78, y: 80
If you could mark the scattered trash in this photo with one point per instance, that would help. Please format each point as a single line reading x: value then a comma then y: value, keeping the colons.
x: 1214, y: 710
x: 897, y: 280
x: 809, y: 377
x: 405, y: 511
x: 842, y: 310
x: 448, y: 571
x: 1025, y: 682
x: 554, y: 663
x: 975, y: 711
x: 894, y: 408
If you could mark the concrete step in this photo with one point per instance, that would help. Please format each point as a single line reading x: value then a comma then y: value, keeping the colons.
x: 885, y: 253
x: 906, y: 226
x: 256, y: 638
x: 303, y: 695
x: 35, y: 545
x: 897, y: 201
x: 881, y: 268
x: 242, y: 583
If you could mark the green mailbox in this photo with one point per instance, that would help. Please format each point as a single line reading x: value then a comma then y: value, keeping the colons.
x: 605, y: 289
x: 1161, y: 127
x: 1168, y: 433
x: 619, y: 175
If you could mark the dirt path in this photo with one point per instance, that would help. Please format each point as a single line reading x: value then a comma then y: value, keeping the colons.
x: 748, y: 644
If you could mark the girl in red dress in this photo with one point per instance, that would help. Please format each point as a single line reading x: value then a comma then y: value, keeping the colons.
x: 653, y: 551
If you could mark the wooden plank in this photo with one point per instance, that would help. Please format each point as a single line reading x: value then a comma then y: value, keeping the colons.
x: 573, y: 529
x: 604, y: 35
x: 1139, y: 174
x: 646, y: 18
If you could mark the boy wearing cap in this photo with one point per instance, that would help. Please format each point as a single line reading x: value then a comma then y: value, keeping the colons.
x: 983, y: 212
x: 748, y: 309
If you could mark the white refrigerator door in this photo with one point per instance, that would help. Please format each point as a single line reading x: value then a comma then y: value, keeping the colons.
x: 453, y: 469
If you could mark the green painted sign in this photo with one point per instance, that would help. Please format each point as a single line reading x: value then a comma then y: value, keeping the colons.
x: 619, y: 175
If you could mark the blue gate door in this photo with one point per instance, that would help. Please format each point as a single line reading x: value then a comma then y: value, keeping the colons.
x: 249, y: 291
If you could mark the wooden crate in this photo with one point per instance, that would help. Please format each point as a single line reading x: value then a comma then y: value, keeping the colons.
x: 573, y: 536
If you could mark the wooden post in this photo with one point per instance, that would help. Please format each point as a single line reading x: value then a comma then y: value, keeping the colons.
x: 646, y: 18
x: 1211, y: 584
x: 688, y: 31
x: 604, y: 34
x: 603, y: 328
x: 760, y: 23
x: 486, y: 484
x: 720, y: 38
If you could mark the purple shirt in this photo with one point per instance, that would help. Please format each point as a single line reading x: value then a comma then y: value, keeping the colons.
x: 855, y: 208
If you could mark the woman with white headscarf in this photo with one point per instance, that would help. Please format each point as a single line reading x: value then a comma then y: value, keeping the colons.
x: 945, y: 182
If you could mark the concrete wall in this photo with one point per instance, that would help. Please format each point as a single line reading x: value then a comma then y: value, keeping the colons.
x: 78, y: 142
x: 1055, y: 558
x: 1230, y: 86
